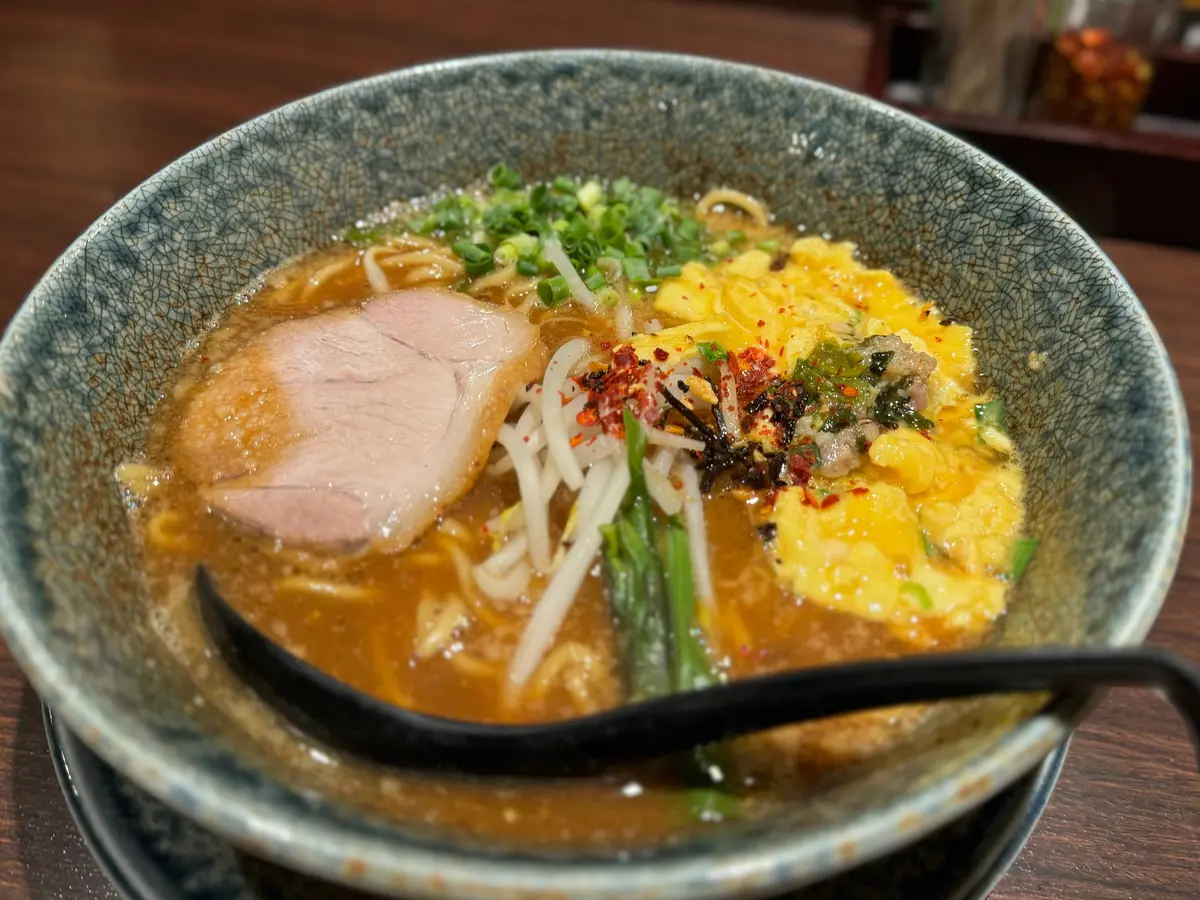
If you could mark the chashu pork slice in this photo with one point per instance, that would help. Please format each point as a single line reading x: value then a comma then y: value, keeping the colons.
x: 357, y: 425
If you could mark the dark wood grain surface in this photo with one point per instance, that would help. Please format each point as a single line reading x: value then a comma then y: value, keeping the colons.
x: 95, y: 95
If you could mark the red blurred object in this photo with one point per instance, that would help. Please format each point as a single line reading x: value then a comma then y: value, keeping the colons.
x: 1092, y: 78
x: 1100, y: 64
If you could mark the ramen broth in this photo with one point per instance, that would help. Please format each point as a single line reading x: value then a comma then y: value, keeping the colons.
x: 414, y: 628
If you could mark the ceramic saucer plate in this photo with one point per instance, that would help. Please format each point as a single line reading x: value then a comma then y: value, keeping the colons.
x: 152, y: 853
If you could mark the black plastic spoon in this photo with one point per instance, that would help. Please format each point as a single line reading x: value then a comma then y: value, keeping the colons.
x: 361, y: 725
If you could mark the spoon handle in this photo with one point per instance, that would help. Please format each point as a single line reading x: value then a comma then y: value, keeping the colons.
x: 750, y: 705
x: 344, y: 717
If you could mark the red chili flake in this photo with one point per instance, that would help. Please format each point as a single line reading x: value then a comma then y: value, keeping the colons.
x: 925, y: 434
x: 752, y: 371
x: 811, y: 499
x: 204, y: 359
x: 588, y: 416
x: 661, y: 355
x: 624, y: 358
x: 761, y: 323
x: 767, y: 343
x: 860, y: 491
x: 770, y: 498
x: 525, y: 439
x: 829, y: 501
x: 780, y: 311
x: 576, y: 440
x: 606, y: 345
x: 702, y: 285
x: 937, y: 338
x: 625, y: 385
x: 849, y: 390
x: 800, y: 465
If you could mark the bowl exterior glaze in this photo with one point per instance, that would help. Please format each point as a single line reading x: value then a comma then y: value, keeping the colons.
x: 1101, y: 425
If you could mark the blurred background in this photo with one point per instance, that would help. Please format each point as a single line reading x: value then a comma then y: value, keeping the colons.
x: 1097, y: 102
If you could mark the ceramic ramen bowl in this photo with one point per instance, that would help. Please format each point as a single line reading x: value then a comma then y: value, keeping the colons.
x: 1098, y: 416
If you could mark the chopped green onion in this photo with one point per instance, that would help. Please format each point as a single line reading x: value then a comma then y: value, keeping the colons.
x: 506, y: 220
x: 512, y: 198
x: 502, y: 176
x: 589, y: 195
x: 712, y: 351
x: 992, y: 414
x: 608, y: 296
x: 476, y: 257
x: 916, y: 593
x: 506, y: 227
x: 691, y: 669
x: 1022, y: 554
x: 421, y: 224
x: 635, y: 268
x: 771, y: 246
x: 735, y: 236
x: 553, y: 291
x: 524, y: 244
x: 595, y: 281
x: 451, y: 215
x: 650, y: 197
x: 932, y: 550
x: 362, y: 234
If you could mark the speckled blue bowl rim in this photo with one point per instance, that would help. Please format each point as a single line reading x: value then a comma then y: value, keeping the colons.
x: 789, y: 860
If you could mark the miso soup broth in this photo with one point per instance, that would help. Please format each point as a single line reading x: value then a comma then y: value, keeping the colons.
x: 522, y: 452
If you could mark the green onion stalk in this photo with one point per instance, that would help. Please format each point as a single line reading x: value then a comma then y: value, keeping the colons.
x: 648, y: 574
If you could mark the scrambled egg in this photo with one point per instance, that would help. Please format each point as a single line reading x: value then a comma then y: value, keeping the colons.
x: 821, y: 293
x: 920, y: 536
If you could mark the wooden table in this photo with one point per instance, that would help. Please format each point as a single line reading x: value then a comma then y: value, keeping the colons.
x: 95, y: 95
